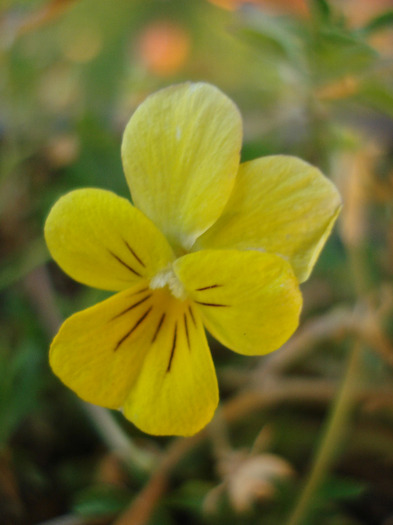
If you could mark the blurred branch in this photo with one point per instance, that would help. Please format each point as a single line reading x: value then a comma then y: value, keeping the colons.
x: 363, y: 321
x: 372, y: 334
x: 335, y: 323
x: 144, y: 504
x: 219, y: 436
x: 39, y: 290
x: 117, y: 440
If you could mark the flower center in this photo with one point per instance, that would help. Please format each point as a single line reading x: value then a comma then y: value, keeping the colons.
x: 167, y: 277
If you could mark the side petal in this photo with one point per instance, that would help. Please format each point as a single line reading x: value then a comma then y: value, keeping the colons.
x: 176, y: 392
x: 98, y: 352
x: 280, y: 205
x: 101, y: 240
x: 180, y: 154
x: 249, y: 301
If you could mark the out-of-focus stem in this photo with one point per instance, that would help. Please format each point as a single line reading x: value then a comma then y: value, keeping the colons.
x: 332, y: 436
x: 66, y: 520
x: 117, y: 440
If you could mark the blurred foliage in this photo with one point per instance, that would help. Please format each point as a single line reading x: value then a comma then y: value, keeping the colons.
x: 311, y: 79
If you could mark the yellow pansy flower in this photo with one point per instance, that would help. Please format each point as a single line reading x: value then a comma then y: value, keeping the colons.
x: 208, y: 243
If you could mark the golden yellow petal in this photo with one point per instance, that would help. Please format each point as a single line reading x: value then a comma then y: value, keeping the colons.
x: 176, y: 392
x: 103, y: 241
x: 98, y: 352
x: 249, y: 301
x: 143, y: 351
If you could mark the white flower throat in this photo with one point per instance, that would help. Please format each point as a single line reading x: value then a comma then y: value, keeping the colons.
x: 167, y: 277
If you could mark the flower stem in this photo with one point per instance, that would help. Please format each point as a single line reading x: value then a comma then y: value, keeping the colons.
x: 332, y: 435
x: 116, y: 439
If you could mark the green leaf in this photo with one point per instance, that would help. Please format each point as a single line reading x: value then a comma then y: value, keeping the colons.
x: 321, y: 9
x: 18, y: 266
x: 101, y: 500
x: 337, y: 52
x: 276, y: 37
x: 190, y: 495
x: 339, y: 488
x: 378, y: 96
x: 325, y: 503
x: 380, y: 22
x: 19, y: 386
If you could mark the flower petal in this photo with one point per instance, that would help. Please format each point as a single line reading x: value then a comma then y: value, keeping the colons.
x: 98, y: 352
x: 142, y: 350
x: 280, y: 205
x: 176, y: 392
x: 181, y: 153
x: 249, y: 301
x: 103, y: 241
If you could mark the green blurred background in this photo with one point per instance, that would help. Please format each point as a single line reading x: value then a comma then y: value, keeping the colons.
x: 304, y: 436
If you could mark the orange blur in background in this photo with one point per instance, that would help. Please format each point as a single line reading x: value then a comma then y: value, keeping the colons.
x: 164, y: 47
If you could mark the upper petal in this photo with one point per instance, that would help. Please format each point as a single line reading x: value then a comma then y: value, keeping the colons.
x: 249, y: 301
x: 176, y: 392
x: 101, y: 240
x: 279, y: 204
x: 181, y: 153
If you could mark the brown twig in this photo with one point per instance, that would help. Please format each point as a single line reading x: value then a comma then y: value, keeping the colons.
x: 334, y: 324
x: 145, y: 503
x: 370, y: 332
x: 362, y: 321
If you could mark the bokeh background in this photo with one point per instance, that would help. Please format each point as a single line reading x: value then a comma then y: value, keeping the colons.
x: 303, y: 436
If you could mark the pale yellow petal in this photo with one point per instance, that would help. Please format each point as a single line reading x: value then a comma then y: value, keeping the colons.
x: 101, y: 240
x: 176, y: 392
x: 98, y: 352
x: 181, y: 153
x: 249, y: 301
x: 280, y: 205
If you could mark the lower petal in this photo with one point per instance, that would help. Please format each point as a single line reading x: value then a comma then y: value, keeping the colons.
x: 249, y: 301
x: 142, y: 350
x: 176, y: 392
x: 98, y: 352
